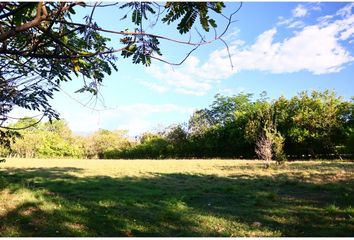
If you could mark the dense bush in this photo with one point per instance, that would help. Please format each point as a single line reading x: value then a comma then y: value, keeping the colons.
x: 309, y: 125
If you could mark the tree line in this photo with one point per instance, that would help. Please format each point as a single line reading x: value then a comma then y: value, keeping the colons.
x: 56, y: 139
x: 308, y: 125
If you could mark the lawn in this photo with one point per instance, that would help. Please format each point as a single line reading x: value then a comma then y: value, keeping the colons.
x: 175, y: 198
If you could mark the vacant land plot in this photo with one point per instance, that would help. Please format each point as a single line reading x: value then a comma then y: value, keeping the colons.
x: 175, y: 198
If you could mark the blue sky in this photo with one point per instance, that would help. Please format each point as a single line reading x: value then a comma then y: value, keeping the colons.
x: 281, y: 48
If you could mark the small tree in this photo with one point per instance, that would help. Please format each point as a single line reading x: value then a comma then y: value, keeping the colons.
x: 269, y: 144
x: 264, y: 148
x: 278, y: 147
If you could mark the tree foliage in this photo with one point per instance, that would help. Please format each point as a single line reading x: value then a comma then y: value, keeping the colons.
x: 309, y: 125
x: 44, y: 140
x: 43, y: 44
x: 55, y: 139
x: 101, y: 143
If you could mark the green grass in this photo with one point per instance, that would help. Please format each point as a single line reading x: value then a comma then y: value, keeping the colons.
x: 175, y: 198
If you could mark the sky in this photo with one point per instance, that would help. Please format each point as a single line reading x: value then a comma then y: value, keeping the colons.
x: 282, y: 48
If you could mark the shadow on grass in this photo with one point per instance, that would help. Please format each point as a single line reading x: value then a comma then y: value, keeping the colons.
x: 63, y: 204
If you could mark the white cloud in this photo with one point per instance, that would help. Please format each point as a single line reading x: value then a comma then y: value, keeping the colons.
x: 298, y: 53
x: 232, y: 35
x: 184, y: 79
x: 297, y: 24
x: 232, y: 91
x: 315, y: 48
x: 157, y: 87
x: 347, y: 34
x: 135, y: 126
x: 291, y: 23
x: 135, y: 118
x: 300, y: 11
x: 191, y: 78
x: 346, y: 11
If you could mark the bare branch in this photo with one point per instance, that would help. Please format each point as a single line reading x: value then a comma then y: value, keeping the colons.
x: 125, y: 33
x: 228, y: 52
x: 230, y: 20
x: 22, y: 128
x: 181, y: 62
x: 55, y: 56
x: 102, y: 5
x: 18, y: 118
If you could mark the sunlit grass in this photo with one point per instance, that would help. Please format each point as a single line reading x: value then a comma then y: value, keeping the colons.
x: 175, y: 198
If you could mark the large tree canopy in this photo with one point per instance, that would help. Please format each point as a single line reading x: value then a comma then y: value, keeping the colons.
x: 42, y: 44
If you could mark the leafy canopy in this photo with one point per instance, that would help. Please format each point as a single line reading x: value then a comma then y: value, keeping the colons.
x: 41, y: 46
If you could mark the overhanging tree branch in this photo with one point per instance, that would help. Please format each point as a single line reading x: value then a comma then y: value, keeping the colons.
x: 22, y: 128
x: 40, y: 16
x: 40, y: 51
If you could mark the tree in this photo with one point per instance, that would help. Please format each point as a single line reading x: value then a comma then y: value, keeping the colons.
x: 26, y: 145
x: 315, y: 122
x: 152, y: 145
x: 103, y: 141
x: 44, y: 140
x: 264, y: 147
x: 41, y: 46
x: 177, y: 137
x: 199, y: 123
x: 219, y: 131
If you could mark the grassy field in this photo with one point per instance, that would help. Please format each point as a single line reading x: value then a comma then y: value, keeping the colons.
x: 175, y: 198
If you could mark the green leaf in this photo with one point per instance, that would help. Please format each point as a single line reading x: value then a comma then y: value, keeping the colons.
x: 213, y: 23
x: 71, y: 10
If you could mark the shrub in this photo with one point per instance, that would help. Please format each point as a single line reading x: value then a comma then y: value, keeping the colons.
x: 264, y: 148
